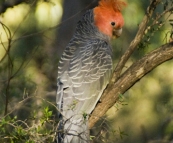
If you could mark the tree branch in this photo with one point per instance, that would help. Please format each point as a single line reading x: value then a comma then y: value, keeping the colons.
x: 136, y: 41
x: 134, y: 73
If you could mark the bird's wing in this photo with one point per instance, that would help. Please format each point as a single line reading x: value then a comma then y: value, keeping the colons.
x: 84, y: 72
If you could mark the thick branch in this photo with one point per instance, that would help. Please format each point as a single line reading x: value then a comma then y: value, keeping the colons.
x: 129, y: 78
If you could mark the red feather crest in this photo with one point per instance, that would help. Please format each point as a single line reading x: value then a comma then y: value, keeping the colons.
x: 117, y: 5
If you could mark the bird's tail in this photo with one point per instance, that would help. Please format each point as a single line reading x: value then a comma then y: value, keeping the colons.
x: 73, y: 127
x: 75, y: 130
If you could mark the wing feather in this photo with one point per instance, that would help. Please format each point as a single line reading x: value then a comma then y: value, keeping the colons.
x: 85, y: 71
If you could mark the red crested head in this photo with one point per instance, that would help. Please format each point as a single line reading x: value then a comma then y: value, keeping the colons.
x: 108, y: 18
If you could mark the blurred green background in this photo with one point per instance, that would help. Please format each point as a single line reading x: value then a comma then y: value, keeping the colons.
x: 41, y: 29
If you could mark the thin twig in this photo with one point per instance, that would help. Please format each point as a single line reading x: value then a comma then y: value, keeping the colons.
x: 136, y: 41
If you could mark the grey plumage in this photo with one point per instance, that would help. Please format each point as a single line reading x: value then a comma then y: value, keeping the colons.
x: 83, y: 73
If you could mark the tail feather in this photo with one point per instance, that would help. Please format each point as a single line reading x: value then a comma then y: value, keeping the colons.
x: 74, y: 131
x: 72, y: 128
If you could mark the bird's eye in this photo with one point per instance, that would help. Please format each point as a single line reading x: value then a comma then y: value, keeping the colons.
x: 113, y: 23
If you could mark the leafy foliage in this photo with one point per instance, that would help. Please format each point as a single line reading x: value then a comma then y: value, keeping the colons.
x: 33, y: 130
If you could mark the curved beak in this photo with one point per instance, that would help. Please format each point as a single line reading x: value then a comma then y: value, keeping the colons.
x: 116, y: 33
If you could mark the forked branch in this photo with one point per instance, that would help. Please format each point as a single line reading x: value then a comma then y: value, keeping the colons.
x: 136, y: 41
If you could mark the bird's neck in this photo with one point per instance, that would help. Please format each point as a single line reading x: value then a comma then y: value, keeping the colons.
x: 86, y: 28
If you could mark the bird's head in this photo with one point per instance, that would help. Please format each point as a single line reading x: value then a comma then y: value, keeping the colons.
x: 108, y: 18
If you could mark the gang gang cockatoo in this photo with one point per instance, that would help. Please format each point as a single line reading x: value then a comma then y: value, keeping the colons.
x: 85, y: 69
